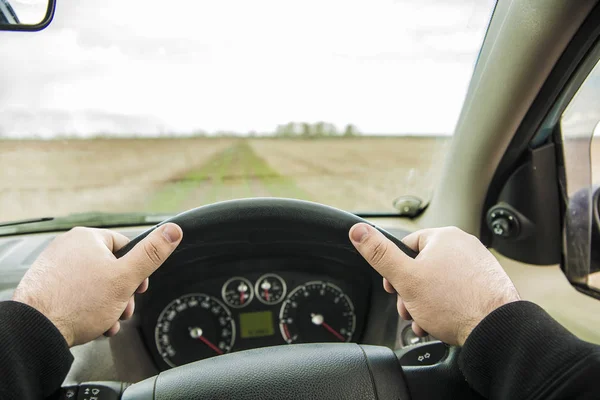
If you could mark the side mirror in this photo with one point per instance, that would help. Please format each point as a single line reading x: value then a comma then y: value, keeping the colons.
x: 582, y: 240
x: 593, y: 278
x: 575, y: 125
x: 26, y: 15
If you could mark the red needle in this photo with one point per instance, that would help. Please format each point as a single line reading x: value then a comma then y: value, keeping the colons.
x: 330, y: 329
x: 209, y: 344
x: 241, y: 297
x: 266, y: 294
x: 287, y: 332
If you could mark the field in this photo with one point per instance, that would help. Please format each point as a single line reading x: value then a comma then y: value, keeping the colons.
x: 59, y: 177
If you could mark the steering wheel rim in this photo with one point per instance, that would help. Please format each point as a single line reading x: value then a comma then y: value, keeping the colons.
x: 256, y: 215
x: 245, y: 225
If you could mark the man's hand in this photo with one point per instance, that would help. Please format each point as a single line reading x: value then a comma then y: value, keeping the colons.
x: 79, y: 285
x: 448, y: 289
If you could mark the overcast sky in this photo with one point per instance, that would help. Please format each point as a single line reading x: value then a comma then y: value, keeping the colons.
x: 241, y: 65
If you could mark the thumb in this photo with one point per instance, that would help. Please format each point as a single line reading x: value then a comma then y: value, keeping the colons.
x: 152, y: 251
x: 383, y: 255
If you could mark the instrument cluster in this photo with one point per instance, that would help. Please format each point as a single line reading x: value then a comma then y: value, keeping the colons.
x: 254, y: 310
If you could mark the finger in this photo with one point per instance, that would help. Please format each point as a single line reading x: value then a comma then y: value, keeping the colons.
x: 143, y: 286
x: 383, y: 255
x: 404, y: 314
x: 418, y: 240
x: 418, y: 330
x: 152, y: 251
x: 119, y: 240
x: 113, y: 329
x: 128, y: 312
x: 387, y: 286
x: 113, y: 240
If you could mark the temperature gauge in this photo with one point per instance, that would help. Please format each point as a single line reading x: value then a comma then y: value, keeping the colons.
x: 237, y: 292
x: 270, y: 289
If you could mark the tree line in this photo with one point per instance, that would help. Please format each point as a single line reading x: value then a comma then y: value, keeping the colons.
x: 303, y: 130
x: 318, y: 129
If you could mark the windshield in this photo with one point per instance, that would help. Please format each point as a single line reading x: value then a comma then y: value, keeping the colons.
x: 135, y: 106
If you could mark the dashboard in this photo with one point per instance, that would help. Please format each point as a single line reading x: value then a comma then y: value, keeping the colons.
x: 249, y: 304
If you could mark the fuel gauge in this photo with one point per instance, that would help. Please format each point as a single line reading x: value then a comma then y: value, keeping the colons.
x: 237, y: 292
x: 270, y: 289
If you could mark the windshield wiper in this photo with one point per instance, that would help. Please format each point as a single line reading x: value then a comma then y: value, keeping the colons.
x: 26, y: 221
x: 91, y: 219
x: 407, y: 206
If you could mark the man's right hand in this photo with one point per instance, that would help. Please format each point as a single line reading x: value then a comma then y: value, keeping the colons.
x: 453, y: 284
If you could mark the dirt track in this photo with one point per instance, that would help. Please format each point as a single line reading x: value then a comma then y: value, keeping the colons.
x: 41, y: 178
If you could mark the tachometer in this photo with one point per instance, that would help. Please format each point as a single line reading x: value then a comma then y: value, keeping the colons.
x: 193, y: 327
x: 317, y: 312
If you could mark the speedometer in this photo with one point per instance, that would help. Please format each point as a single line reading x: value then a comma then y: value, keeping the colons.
x: 317, y: 312
x: 193, y: 327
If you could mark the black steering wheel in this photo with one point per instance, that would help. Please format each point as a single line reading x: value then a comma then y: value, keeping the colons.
x: 302, y: 371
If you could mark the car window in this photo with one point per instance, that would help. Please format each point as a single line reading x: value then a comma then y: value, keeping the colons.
x: 580, y: 132
x: 127, y: 107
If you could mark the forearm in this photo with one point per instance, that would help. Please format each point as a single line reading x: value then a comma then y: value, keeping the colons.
x: 35, y: 357
x: 520, y: 352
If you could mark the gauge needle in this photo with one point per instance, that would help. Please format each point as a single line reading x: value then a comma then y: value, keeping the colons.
x: 265, y: 287
x: 287, y: 332
x: 318, y: 319
x: 242, y: 288
x: 196, y: 333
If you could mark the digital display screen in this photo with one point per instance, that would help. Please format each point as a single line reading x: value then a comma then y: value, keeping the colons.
x: 256, y: 324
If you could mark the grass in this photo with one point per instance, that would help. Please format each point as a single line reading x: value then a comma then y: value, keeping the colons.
x: 276, y: 184
x: 175, y: 192
x: 235, y: 172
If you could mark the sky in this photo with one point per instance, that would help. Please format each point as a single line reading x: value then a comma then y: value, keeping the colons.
x: 156, y: 67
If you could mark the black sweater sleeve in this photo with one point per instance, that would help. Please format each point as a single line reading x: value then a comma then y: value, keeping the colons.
x: 520, y: 352
x: 34, y: 356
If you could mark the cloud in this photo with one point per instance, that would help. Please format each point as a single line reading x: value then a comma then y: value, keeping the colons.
x: 47, y: 123
x: 386, y: 66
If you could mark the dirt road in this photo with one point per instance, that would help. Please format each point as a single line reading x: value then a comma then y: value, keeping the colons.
x: 41, y: 178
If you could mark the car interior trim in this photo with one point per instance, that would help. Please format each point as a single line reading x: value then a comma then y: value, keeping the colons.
x: 536, y: 129
x: 524, y: 41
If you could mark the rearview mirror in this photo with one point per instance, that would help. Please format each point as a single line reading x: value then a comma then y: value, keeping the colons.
x: 26, y: 15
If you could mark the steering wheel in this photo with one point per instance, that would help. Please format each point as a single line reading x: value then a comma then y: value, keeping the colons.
x: 268, y: 226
